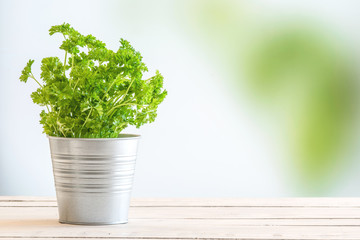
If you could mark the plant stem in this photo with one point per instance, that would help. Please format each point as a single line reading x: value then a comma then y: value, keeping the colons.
x: 123, y: 104
x: 127, y: 90
x: 86, y: 119
x: 76, y: 84
x: 65, y: 56
x: 113, y: 82
x: 72, y: 61
x: 61, y: 131
x: 59, y: 124
x: 32, y: 76
x: 65, y: 62
x: 72, y: 66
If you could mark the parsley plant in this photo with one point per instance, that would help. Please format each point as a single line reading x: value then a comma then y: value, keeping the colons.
x: 95, y: 92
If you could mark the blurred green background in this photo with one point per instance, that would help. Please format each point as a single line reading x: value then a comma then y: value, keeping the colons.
x: 298, y: 69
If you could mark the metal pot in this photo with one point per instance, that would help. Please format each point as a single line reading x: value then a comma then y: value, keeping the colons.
x: 93, y: 178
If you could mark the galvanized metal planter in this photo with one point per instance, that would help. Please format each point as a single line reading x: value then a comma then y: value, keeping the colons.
x: 93, y: 178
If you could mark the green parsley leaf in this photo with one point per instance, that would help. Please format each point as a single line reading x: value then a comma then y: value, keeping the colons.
x: 25, y: 74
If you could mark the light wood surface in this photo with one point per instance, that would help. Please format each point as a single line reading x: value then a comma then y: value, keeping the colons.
x: 250, y: 219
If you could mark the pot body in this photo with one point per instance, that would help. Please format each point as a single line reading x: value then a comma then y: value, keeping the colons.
x: 93, y: 178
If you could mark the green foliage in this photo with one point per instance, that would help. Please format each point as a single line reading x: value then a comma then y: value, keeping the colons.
x: 26, y: 72
x: 96, y: 92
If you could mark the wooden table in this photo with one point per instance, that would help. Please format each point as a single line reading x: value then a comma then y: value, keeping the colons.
x: 298, y: 218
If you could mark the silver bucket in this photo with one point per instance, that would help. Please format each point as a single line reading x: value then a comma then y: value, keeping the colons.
x: 93, y: 178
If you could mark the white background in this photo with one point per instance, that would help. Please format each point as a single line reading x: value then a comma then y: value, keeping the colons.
x: 206, y: 142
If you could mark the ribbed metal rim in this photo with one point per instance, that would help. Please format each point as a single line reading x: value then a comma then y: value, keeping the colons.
x: 120, y: 137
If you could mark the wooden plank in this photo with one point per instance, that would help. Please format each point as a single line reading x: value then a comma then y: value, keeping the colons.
x: 204, y: 213
x: 10, y: 221
x: 242, y: 212
x: 247, y: 202
x: 172, y: 229
x: 198, y: 202
x: 67, y: 238
x: 28, y: 204
x: 27, y: 199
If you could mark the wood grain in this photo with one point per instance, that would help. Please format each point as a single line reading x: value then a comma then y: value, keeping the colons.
x: 298, y: 218
x: 206, y: 202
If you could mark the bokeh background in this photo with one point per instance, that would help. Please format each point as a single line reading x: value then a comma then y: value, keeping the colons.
x: 262, y: 95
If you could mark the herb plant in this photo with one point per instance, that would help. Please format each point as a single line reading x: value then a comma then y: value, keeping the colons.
x: 95, y: 92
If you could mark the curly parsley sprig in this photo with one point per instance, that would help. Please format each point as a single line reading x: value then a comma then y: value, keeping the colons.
x: 95, y: 92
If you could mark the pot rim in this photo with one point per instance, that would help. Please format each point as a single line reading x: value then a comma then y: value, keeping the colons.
x: 122, y: 136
